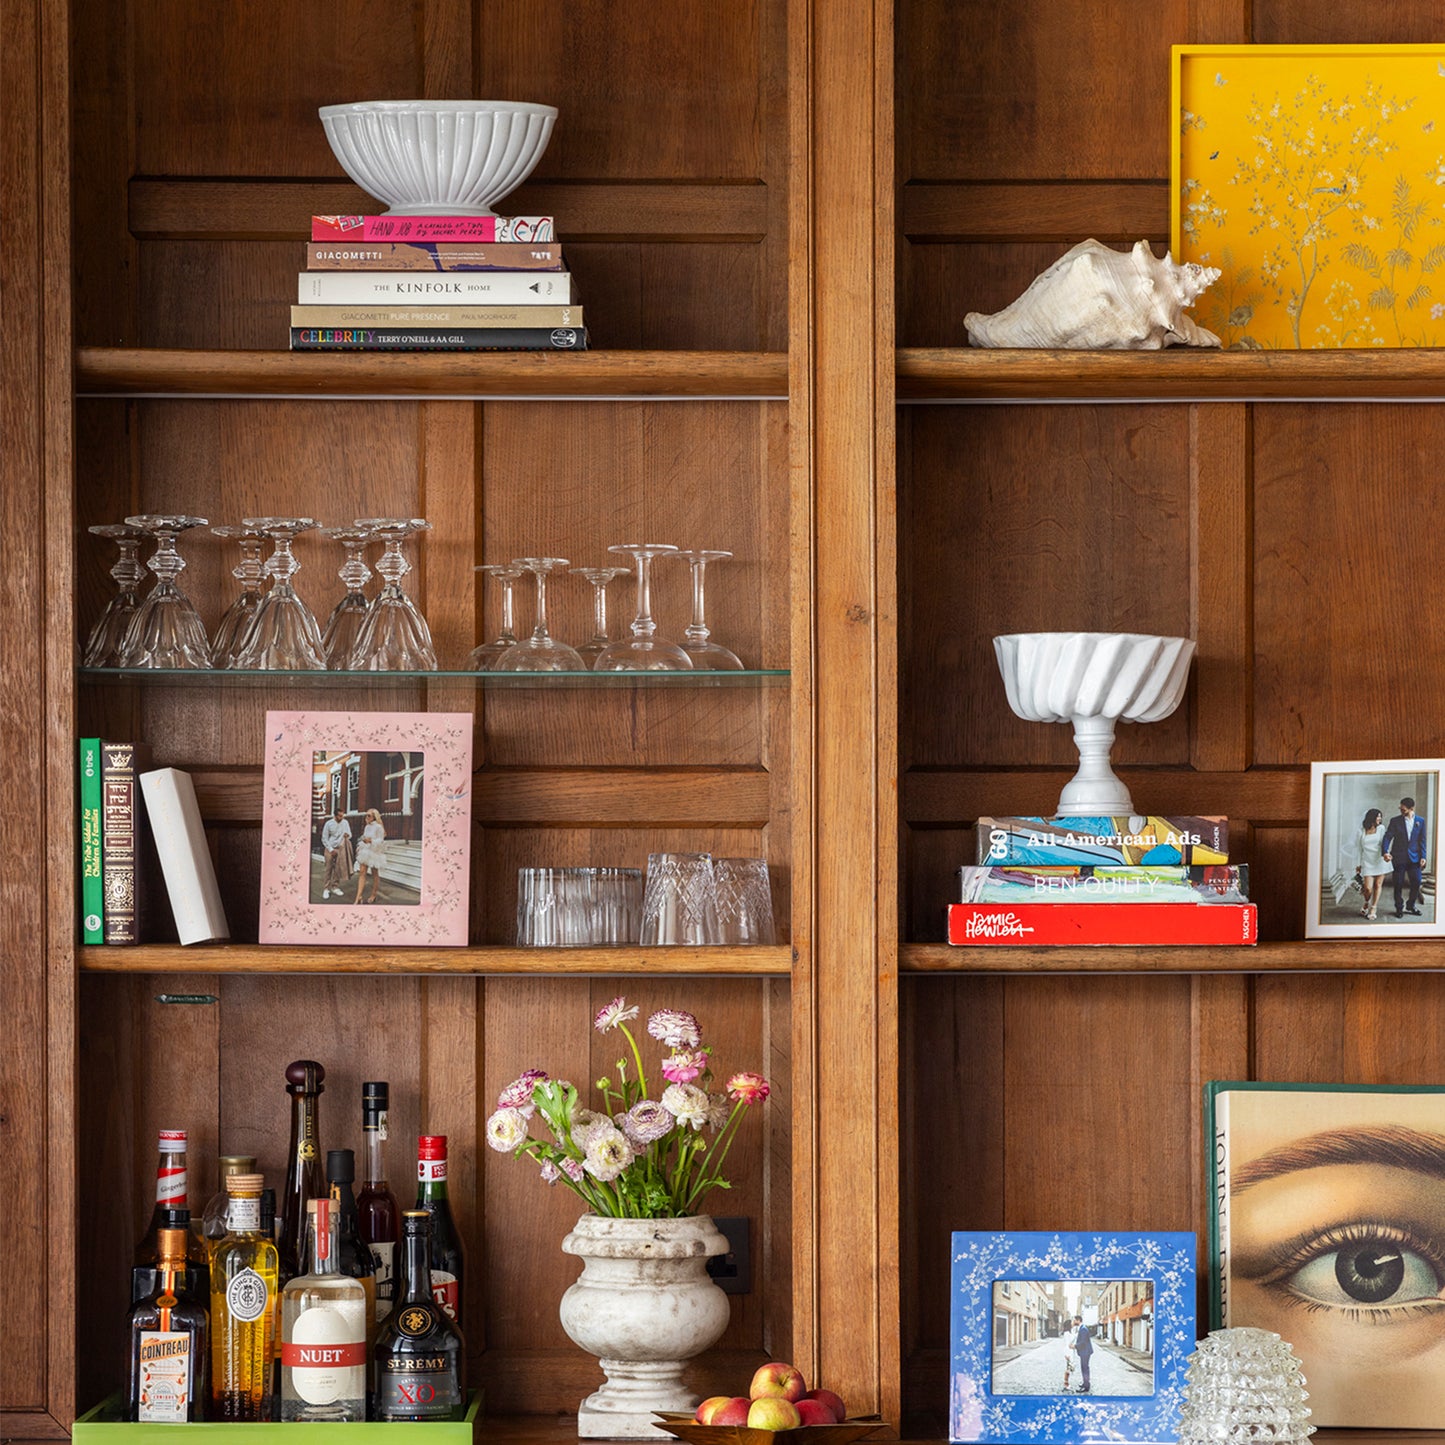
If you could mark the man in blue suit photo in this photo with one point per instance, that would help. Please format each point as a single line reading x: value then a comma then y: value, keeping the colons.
x: 1404, y: 850
x: 1084, y: 1346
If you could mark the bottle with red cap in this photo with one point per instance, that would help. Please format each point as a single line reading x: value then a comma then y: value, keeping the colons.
x: 447, y: 1264
x: 172, y: 1209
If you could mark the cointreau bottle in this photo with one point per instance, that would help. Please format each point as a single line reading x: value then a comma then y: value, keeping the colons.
x: 377, y: 1215
x: 447, y: 1264
x: 419, y: 1352
x: 243, y: 1309
x: 305, y: 1177
x: 169, y: 1344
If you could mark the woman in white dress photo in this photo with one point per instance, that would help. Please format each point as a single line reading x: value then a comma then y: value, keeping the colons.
x: 1370, y: 867
x: 371, y: 854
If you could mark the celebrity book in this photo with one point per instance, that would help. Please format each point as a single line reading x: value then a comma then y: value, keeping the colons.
x: 1326, y: 1225
x: 1205, y: 884
x: 438, y: 338
x: 481, y: 229
x: 1139, y: 839
x: 1035, y: 925
x: 415, y: 288
x: 431, y: 256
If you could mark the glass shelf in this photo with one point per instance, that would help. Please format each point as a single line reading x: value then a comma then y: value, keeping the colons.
x: 241, y: 678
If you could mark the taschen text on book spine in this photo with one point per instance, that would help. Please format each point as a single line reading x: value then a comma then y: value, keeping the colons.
x: 1153, y: 840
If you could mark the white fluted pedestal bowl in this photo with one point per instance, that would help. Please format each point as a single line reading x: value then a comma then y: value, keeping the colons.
x: 438, y: 157
x: 1093, y: 680
x: 644, y: 1305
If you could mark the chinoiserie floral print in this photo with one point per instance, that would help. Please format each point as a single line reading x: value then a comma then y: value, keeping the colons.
x: 1314, y: 178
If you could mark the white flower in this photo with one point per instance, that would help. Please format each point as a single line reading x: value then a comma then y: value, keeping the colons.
x: 676, y: 1028
x: 506, y: 1129
x: 687, y: 1104
x: 608, y: 1153
x: 550, y: 1172
x: 610, y: 1015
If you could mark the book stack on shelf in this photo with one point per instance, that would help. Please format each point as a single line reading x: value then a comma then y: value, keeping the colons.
x: 436, y: 283
x: 1087, y: 880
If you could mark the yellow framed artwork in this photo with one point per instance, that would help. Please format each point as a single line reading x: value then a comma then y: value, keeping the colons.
x: 1313, y: 177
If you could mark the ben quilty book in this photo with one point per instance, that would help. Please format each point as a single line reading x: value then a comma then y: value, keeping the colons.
x: 1323, y: 1215
x: 121, y: 826
x: 432, y: 256
x: 92, y: 894
x: 1205, y: 884
x: 1038, y: 925
x: 484, y: 229
x: 418, y: 288
x: 1137, y: 839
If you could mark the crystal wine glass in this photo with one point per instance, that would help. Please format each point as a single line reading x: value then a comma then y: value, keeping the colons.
x: 231, y: 630
x: 599, y: 577
x: 706, y: 656
x: 484, y: 656
x: 344, y: 625
x: 395, y: 636
x: 644, y: 650
x: 283, y: 636
x: 541, y: 652
x: 102, y: 648
x: 165, y: 630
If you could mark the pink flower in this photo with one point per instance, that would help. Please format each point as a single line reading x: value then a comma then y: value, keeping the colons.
x: 685, y: 1065
x: 748, y: 1088
x: 572, y: 1168
x: 675, y: 1027
x: 610, y: 1015
x: 550, y: 1172
x: 518, y: 1094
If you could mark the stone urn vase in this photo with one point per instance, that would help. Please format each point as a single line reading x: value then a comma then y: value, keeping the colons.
x: 644, y: 1304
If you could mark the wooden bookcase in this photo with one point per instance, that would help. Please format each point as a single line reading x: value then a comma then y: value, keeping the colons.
x: 779, y: 212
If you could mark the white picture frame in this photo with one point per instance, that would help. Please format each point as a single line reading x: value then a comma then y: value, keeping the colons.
x: 1343, y: 796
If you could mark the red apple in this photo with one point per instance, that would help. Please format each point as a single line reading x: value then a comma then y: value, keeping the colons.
x: 814, y: 1412
x: 833, y: 1402
x: 772, y: 1412
x: 777, y: 1379
x: 723, y: 1410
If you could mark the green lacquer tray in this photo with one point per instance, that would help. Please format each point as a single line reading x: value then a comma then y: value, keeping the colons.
x: 104, y: 1426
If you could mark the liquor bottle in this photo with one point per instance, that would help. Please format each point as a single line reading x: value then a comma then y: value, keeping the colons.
x: 377, y: 1215
x: 304, y: 1177
x: 171, y: 1194
x: 353, y: 1258
x: 268, y: 1228
x: 192, y: 1284
x: 169, y: 1343
x: 419, y: 1353
x: 324, y: 1320
x: 447, y: 1264
x: 243, y: 1320
x: 212, y: 1223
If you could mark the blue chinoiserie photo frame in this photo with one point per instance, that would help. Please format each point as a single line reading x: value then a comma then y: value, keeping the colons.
x: 1020, y: 1364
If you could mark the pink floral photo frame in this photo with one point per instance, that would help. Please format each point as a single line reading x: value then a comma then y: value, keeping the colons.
x: 366, y: 828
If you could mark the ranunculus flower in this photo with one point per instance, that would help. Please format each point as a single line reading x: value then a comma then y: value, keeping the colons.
x: 718, y: 1110
x: 748, y: 1088
x: 646, y: 1122
x: 507, y: 1129
x: 685, y: 1065
x: 686, y: 1103
x: 550, y: 1172
x: 675, y: 1027
x: 518, y: 1094
x: 572, y: 1168
x: 608, y: 1154
x: 610, y: 1015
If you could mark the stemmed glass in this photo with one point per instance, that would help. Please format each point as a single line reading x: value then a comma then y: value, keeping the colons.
x: 283, y: 635
x: 599, y: 577
x: 706, y: 656
x: 165, y: 630
x: 102, y: 647
x: 484, y: 656
x: 541, y: 652
x: 644, y: 651
x: 231, y: 629
x: 344, y: 625
x: 395, y: 636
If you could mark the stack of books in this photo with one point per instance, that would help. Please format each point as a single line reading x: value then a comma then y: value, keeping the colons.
x: 435, y: 283
x: 1136, y: 880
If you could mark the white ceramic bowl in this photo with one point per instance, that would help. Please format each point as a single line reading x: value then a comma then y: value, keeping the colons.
x: 1059, y: 676
x: 438, y: 157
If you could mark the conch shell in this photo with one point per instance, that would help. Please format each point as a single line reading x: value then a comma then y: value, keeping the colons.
x: 1096, y: 297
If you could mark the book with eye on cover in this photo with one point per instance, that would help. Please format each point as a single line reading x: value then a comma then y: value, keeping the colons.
x: 1100, y: 925
x: 1324, y: 1216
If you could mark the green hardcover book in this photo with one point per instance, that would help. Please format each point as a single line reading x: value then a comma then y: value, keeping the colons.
x: 92, y: 894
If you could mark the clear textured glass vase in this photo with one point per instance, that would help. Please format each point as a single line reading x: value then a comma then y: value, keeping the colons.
x: 1244, y: 1385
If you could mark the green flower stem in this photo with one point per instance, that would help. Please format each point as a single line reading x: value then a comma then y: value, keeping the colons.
x: 636, y: 1054
x: 717, y: 1156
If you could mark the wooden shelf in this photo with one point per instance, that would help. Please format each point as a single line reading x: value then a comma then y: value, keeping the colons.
x: 241, y: 958
x: 1173, y: 375
x: 1305, y: 956
x: 655, y: 375
x: 470, y: 681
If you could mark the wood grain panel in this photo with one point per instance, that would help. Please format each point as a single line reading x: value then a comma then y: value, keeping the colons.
x: 1081, y: 521
x: 931, y: 858
x: 1386, y: 22
x: 1339, y: 494
x: 1294, y: 956
x: 1033, y: 91
x: 1115, y: 212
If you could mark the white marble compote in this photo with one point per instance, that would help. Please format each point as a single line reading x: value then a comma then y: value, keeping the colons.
x: 1093, y: 680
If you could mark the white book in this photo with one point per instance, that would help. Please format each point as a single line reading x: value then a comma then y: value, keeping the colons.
x: 434, y: 288
x: 180, y: 839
